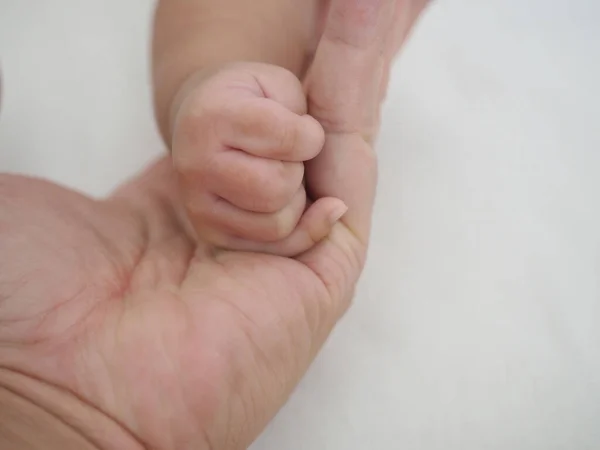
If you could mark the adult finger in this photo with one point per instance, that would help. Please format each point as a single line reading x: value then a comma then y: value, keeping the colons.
x: 343, y: 82
x: 343, y: 88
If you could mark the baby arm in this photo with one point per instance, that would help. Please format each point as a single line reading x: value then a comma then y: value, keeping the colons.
x: 231, y: 108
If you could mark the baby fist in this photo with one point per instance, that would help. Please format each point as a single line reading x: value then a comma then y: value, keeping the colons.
x: 240, y: 140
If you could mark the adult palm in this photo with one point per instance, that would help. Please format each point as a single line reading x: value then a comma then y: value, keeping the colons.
x: 114, y: 301
x: 113, y: 306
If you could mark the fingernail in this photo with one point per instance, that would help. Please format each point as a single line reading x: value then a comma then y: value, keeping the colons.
x: 337, y: 213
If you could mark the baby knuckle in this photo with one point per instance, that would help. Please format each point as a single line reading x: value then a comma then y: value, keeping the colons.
x: 280, y: 228
x: 270, y: 200
x: 289, y: 138
x: 274, y: 191
x: 194, y: 128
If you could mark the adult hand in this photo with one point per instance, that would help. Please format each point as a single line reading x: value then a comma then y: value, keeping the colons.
x: 133, y: 335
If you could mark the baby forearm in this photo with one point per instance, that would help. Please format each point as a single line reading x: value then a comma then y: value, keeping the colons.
x: 191, y: 35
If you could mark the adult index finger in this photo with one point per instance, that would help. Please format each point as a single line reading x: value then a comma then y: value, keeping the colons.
x: 344, y: 81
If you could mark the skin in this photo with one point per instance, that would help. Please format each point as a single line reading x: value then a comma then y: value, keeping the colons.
x: 232, y: 109
x: 242, y: 143
x: 122, y: 326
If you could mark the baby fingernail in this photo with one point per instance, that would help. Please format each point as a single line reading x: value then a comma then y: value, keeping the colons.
x: 337, y: 213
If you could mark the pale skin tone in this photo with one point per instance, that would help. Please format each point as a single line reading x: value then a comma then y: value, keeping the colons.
x: 136, y: 321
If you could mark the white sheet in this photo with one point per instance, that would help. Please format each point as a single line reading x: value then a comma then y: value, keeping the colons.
x: 476, y: 323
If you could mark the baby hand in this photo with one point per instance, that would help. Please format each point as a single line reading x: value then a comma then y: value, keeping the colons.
x: 240, y: 140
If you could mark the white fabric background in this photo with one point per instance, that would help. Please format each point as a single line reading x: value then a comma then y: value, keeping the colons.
x: 476, y: 326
